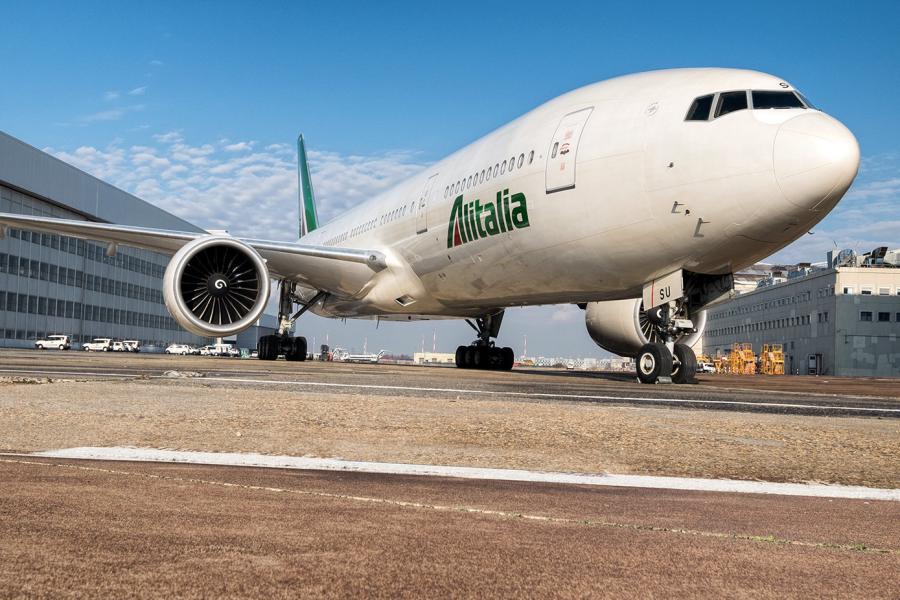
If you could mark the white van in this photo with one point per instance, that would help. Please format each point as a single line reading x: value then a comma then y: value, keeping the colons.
x: 60, y: 342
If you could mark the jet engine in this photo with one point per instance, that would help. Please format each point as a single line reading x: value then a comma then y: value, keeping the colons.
x: 622, y: 327
x: 216, y: 286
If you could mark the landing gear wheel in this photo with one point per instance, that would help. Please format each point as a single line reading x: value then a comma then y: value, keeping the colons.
x: 481, y: 358
x: 507, y: 359
x: 268, y: 347
x: 470, y: 357
x: 298, y: 349
x: 461, y: 356
x: 653, y: 361
x: 684, y: 367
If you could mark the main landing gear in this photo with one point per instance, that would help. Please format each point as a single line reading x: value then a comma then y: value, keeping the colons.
x: 482, y: 353
x: 293, y: 348
x: 663, y: 360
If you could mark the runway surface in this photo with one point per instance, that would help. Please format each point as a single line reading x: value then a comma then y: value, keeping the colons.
x: 143, y: 529
x: 777, y: 395
x: 544, y: 497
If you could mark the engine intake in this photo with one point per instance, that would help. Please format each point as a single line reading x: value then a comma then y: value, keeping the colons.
x: 216, y: 286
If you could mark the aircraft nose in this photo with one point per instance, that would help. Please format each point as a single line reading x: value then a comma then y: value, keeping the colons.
x: 816, y: 159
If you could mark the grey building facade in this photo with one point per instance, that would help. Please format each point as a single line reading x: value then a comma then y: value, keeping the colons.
x: 835, y: 321
x: 54, y: 284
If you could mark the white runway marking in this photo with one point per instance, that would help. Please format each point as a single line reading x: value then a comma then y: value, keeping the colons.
x: 611, y: 480
x: 550, y: 395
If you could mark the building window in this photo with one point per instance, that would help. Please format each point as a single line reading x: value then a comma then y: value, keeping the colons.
x: 884, y: 317
x: 866, y: 291
x: 865, y: 315
x: 884, y: 291
x: 848, y: 290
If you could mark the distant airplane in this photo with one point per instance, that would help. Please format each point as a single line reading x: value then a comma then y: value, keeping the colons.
x: 636, y: 198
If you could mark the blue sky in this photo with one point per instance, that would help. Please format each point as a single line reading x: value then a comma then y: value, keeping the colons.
x: 195, y: 106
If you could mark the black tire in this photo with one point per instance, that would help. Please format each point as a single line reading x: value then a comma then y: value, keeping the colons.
x: 62, y: 347
x: 461, y: 357
x: 684, y: 367
x: 40, y: 347
x: 507, y: 359
x: 297, y: 352
x: 653, y: 361
x: 470, y: 357
x: 481, y: 359
x: 267, y: 349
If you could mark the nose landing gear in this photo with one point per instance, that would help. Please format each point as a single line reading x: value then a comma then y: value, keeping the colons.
x: 668, y: 361
x: 482, y: 353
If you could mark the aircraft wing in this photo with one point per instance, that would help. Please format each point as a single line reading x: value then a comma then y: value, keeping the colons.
x: 337, y: 270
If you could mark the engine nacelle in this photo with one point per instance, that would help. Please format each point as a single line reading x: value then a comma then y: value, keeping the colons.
x: 621, y: 327
x: 216, y: 286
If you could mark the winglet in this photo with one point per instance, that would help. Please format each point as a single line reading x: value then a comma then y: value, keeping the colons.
x: 309, y: 219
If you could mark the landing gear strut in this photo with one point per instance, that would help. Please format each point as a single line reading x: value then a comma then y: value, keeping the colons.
x: 482, y: 353
x: 663, y: 360
x: 293, y: 348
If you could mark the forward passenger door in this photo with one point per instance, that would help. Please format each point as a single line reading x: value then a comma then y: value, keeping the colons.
x: 563, y: 147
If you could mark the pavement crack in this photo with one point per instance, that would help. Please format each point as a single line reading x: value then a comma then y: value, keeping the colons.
x: 510, y: 515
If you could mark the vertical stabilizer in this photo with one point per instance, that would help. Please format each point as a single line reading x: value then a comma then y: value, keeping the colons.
x: 309, y: 219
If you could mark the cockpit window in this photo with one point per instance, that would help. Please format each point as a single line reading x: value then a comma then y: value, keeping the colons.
x: 730, y: 102
x: 699, y: 110
x: 806, y: 101
x: 772, y: 99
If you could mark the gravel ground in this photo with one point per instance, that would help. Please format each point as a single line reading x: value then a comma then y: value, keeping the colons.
x: 188, y: 414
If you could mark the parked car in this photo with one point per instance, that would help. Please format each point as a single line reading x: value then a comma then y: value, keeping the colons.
x: 182, y: 349
x: 705, y: 367
x: 132, y: 345
x: 60, y: 342
x: 118, y: 347
x: 97, y: 345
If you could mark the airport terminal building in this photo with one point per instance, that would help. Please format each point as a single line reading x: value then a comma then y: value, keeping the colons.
x: 838, y: 320
x: 54, y: 284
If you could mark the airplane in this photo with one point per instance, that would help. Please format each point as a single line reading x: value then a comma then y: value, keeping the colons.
x: 636, y: 198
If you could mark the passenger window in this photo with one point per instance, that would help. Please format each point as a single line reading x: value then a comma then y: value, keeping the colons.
x: 469, y: 182
x: 481, y: 179
x: 699, y: 110
x: 730, y: 102
x: 446, y: 191
x: 487, y: 174
x: 521, y: 161
x: 530, y: 157
x: 512, y: 162
x: 772, y: 99
x: 555, y: 148
x: 503, y: 167
x: 496, y: 169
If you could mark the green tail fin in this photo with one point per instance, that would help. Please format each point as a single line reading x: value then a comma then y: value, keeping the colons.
x: 309, y: 219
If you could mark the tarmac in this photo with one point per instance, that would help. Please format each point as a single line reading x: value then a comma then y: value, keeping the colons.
x: 79, y: 528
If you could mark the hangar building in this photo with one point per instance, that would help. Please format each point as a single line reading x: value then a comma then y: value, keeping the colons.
x: 54, y: 284
x: 840, y: 319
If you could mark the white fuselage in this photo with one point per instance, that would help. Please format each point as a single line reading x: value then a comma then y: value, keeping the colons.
x: 610, y: 187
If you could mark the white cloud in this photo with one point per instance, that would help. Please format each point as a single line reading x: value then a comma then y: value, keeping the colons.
x: 250, y: 193
x: 156, y: 63
x: 113, y: 114
x: 238, y: 147
x: 138, y: 91
x: 110, y: 96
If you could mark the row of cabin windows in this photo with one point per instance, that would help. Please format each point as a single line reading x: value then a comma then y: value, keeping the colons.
x: 729, y: 102
x: 498, y: 169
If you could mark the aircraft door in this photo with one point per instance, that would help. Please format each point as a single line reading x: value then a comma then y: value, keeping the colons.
x: 563, y: 147
x: 422, y: 207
